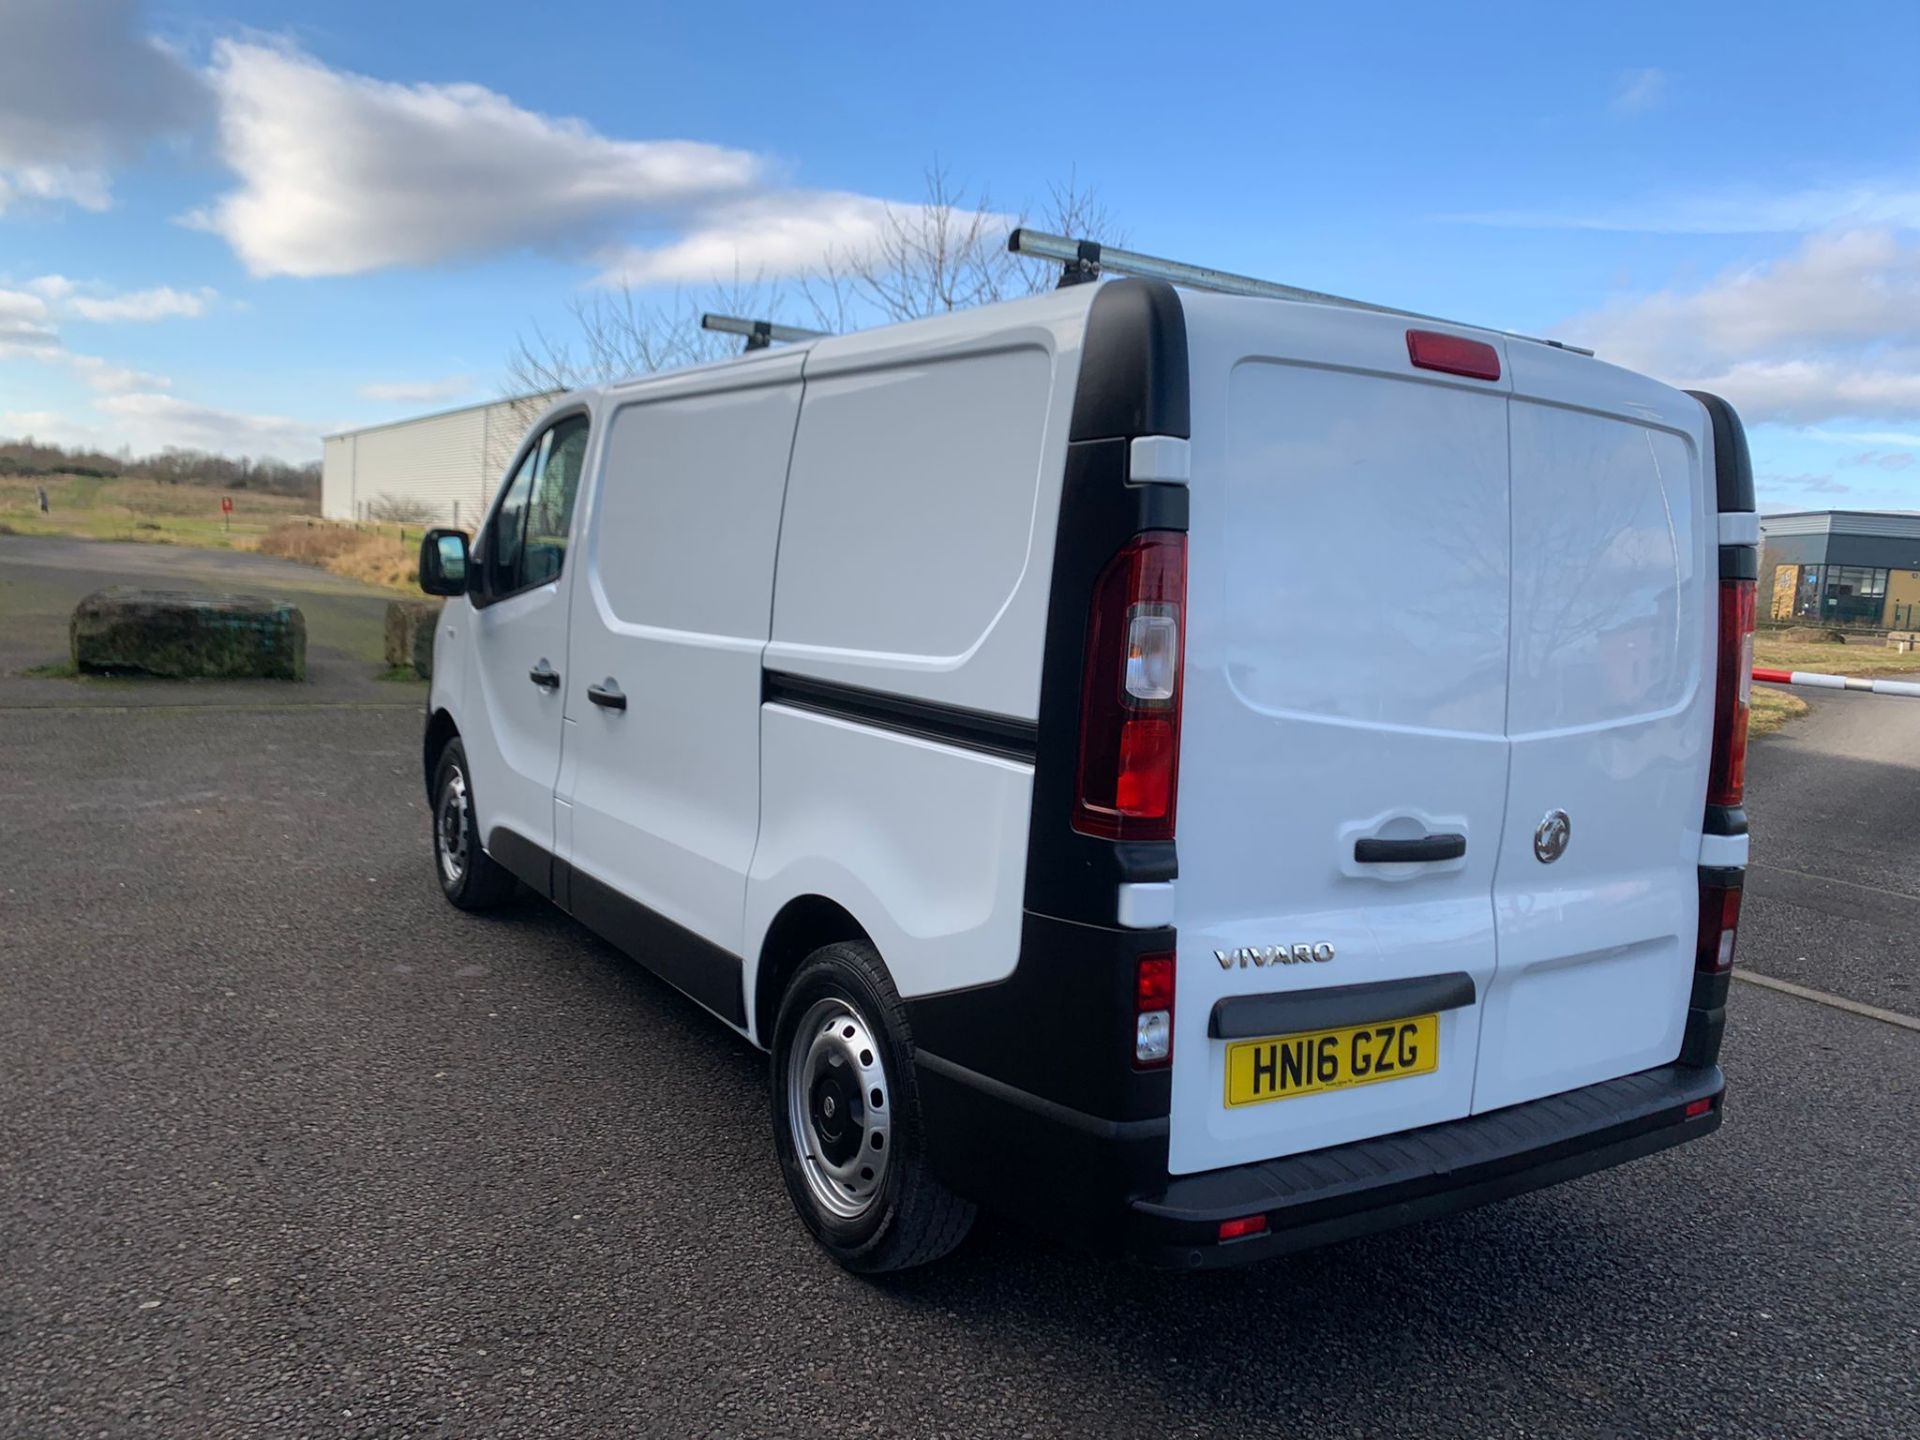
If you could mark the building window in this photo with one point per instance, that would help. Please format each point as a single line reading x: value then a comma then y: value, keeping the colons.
x: 1855, y: 594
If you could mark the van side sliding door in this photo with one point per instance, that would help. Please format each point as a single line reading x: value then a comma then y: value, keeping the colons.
x: 661, y: 773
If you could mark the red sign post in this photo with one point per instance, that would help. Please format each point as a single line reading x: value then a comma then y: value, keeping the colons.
x: 226, y: 511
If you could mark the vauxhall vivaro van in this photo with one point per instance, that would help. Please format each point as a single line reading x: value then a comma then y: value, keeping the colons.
x: 1208, y: 774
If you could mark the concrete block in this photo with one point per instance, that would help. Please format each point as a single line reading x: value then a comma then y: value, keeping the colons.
x: 183, y: 635
x: 410, y: 625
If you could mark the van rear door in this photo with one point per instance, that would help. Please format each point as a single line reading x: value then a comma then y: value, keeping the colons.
x: 1344, y: 757
x: 1610, y: 713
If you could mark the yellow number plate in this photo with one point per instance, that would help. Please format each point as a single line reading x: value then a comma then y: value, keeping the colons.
x: 1306, y: 1064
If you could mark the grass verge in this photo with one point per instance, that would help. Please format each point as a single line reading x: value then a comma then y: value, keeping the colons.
x: 1868, y: 657
x: 1772, y: 709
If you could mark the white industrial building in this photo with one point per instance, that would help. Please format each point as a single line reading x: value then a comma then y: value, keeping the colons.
x: 443, y: 466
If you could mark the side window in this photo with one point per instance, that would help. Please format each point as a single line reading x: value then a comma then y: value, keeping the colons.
x: 550, y: 512
x: 526, y: 545
x: 509, y: 525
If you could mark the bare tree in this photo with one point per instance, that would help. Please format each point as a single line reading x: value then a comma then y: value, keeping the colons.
x: 617, y: 334
x: 946, y: 252
x: 399, y: 510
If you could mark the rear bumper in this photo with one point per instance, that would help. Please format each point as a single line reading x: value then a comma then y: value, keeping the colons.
x: 1106, y: 1184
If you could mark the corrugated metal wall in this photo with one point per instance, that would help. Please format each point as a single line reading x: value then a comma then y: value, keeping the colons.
x: 424, y: 465
x: 443, y: 467
x: 336, y: 478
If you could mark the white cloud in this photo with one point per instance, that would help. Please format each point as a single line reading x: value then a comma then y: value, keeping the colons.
x: 1891, y: 203
x: 81, y: 90
x: 90, y: 300
x: 340, y: 173
x: 418, y: 392
x: 88, y: 188
x: 107, y: 377
x: 49, y: 427
x: 161, y: 303
x: 24, y: 323
x: 1832, y: 330
x: 764, y: 236
x: 1866, y: 437
x: 1884, y: 459
x: 150, y: 420
x: 1638, y: 91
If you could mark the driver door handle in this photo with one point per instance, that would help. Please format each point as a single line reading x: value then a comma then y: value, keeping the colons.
x: 608, y: 695
x: 545, y: 676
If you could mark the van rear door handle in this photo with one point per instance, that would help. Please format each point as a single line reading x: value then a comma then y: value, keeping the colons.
x: 1405, y: 852
x: 607, y: 696
x: 545, y: 676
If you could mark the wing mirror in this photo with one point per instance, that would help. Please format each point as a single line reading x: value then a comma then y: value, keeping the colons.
x: 444, y: 562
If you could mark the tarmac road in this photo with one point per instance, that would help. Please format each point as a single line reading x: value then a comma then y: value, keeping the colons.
x: 290, y: 1147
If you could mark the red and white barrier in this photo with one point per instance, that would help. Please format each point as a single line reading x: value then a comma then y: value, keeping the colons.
x: 1838, y: 682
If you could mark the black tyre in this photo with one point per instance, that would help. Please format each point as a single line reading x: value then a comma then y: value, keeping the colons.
x: 846, y: 1118
x: 468, y: 875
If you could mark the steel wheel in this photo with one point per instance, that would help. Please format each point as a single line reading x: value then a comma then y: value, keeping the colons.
x: 839, y: 1108
x: 452, y: 824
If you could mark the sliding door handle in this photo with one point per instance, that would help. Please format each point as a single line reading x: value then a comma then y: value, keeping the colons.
x: 1410, y: 852
x: 607, y: 695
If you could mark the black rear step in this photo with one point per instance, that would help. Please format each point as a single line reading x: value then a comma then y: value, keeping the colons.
x: 1392, y: 1180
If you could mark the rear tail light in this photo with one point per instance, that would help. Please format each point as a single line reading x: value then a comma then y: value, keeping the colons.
x: 1153, y: 1011
x: 1727, y: 775
x: 1719, y: 925
x: 1130, y: 705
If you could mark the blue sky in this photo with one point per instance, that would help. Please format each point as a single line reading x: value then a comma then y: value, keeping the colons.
x: 242, y: 226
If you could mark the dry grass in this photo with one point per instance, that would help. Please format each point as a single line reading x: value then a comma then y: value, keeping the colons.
x: 1772, y: 709
x: 1866, y: 656
x: 383, y: 555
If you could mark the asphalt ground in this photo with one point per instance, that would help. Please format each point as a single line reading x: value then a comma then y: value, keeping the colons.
x: 288, y: 1146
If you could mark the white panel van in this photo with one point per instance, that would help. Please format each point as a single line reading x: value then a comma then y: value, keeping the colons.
x: 1209, y: 775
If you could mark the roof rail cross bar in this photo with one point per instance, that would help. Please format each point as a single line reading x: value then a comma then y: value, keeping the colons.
x: 759, y: 333
x: 1083, y: 260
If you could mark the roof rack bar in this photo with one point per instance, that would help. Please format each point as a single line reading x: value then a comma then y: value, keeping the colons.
x: 760, y: 333
x: 1083, y: 260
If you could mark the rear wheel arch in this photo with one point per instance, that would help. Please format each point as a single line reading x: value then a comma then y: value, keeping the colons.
x: 804, y: 924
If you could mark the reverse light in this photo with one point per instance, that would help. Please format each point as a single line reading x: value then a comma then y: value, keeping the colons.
x: 1733, y: 694
x: 1153, y: 1011
x: 1719, y: 922
x: 1130, y: 699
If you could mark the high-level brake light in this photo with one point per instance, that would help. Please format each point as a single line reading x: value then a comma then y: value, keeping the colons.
x: 1453, y: 354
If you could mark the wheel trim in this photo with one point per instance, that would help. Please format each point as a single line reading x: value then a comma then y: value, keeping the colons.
x: 839, y: 1108
x: 452, y: 825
